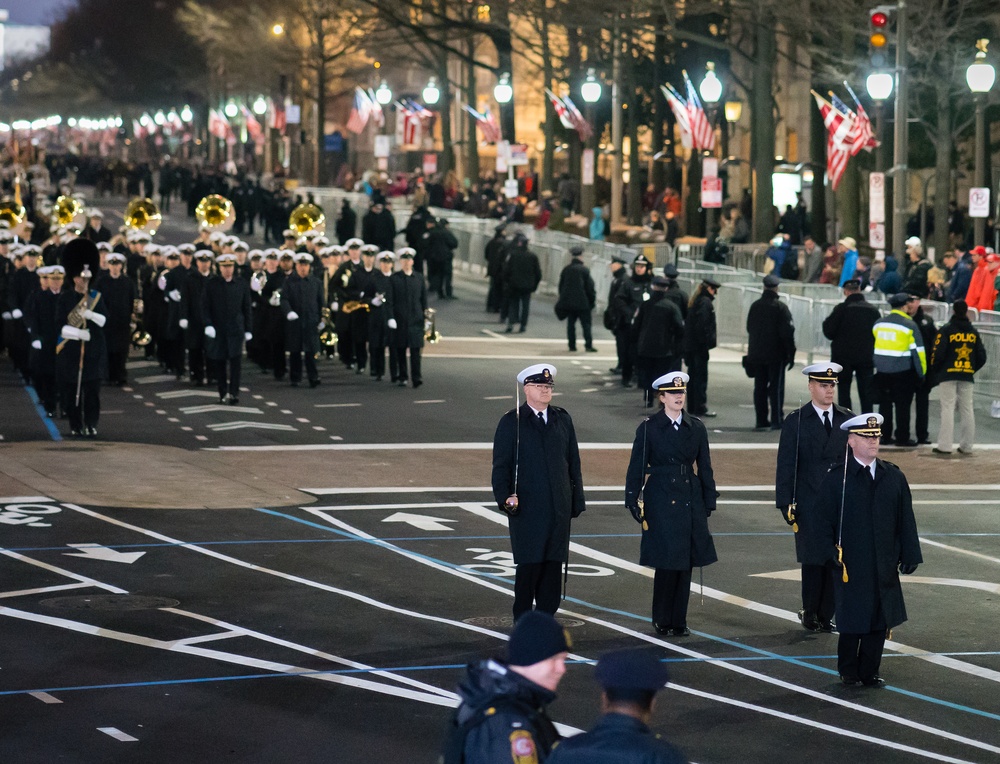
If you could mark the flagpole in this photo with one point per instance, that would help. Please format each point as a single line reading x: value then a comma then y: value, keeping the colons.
x: 616, y: 130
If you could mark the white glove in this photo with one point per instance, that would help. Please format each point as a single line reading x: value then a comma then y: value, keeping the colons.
x: 320, y: 325
x: 275, y: 299
x: 37, y: 344
x: 255, y: 285
x: 162, y: 282
x: 334, y: 306
x: 183, y: 323
x: 210, y: 332
x: 6, y: 316
x: 248, y: 336
x: 16, y: 313
x: 175, y: 295
x: 292, y: 315
x: 392, y: 323
x: 97, y: 318
x: 377, y: 300
x: 72, y: 333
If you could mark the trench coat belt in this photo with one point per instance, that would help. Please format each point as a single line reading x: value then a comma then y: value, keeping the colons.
x: 668, y: 469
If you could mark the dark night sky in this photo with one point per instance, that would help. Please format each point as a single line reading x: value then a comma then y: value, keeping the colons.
x: 35, y: 11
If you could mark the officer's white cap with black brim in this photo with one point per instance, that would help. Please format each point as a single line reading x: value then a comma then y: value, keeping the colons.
x: 406, y: 253
x: 825, y: 371
x: 303, y: 257
x: 226, y: 258
x: 354, y: 244
x: 288, y: 233
x: 538, y: 374
x: 204, y: 254
x: 115, y: 257
x: 103, y: 246
x: 672, y: 382
x: 866, y: 425
x: 386, y: 255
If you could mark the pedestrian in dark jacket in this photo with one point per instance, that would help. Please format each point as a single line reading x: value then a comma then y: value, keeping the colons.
x: 502, y: 717
x: 699, y: 338
x: 537, y: 481
x: 302, y: 303
x: 870, y: 534
x: 849, y: 329
x: 119, y: 295
x: 225, y: 310
x: 347, y: 223
x: 378, y: 227
x: 409, y: 304
x: 496, y: 253
x: 440, y: 252
x: 921, y: 397
x: 670, y: 491
x: 961, y: 276
x: 811, y: 440
x: 191, y: 316
x: 890, y: 282
x: 612, y: 316
x: 521, y: 276
x: 659, y: 331
x: 915, y: 281
x: 957, y: 354
x: 634, y: 292
x: 577, y: 297
x: 770, y: 348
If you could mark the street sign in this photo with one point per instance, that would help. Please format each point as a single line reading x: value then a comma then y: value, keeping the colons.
x: 382, y: 146
x: 293, y: 114
x: 979, y: 202
x: 430, y: 164
x: 710, y: 167
x: 510, y: 188
x: 876, y: 198
x: 711, y: 193
x: 518, y: 154
x: 876, y: 235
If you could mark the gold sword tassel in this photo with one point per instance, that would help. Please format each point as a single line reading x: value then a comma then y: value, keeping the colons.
x: 791, y: 518
x: 840, y: 561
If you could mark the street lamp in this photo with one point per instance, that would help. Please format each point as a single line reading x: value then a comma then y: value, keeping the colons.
x: 383, y: 95
x: 711, y: 92
x: 503, y: 92
x: 590, y: 91
x: 980, y: 76
x: 277, y: 29
x: 879, y: 85
x: 186, y: 114
x: 259, y: 106
x: 231, y: 110
x: 431, y: 94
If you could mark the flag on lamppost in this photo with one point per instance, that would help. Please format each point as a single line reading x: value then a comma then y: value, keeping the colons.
x: 561, y: 111
x: 360, y: 112
x: 487, y: 123
x: 701, y: 129
x: 838, y: 128
x: 865, y: 135
x: 679, y: 108
x: 583, y: 128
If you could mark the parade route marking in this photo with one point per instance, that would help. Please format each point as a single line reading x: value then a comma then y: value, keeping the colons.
x: 497, y: 397
x: 796, y: 575
x: 117, y: 734
x: 226, y: 426
x: 956, y: 549
x: 44, y: 697
x: 187, y: 394
x: 25, y: 500
x: 98, y: 552
x: 422, y: 522
x: 335, y: 405
x: 431, y: 401
x: 156, y: 378
x: 220, y: 407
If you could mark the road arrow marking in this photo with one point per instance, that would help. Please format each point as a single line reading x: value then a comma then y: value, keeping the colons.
x: 156, y: 378
x: 423, y: 522
x: 207, y: 409
x: 98, y: 552
x: 188, y: 394
x: 225, y: 426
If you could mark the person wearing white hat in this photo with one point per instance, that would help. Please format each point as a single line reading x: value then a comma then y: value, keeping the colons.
x: 811, y: 440
x: 225, y: 306
x: 119, y: 294
x: 95, y: 230
x: 870, y: 535
x: 670, y: 492
x: 302, y: 304
x: 347, y: 291
x: 847, y: 248
x: 192, y: 320
x: 537, y: 481
x: 23, y: 282
x: 43, y: 330
x: 380, y: 310
x: 409, y: 306
x: 917, y: 268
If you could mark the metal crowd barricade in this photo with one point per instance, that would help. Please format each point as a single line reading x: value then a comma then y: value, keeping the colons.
x: 987, y: 382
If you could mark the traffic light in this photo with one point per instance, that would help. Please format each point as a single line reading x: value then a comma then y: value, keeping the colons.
x: 878, y: 37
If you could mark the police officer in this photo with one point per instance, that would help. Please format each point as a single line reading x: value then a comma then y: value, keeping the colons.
x: 674, y: 292
x: 871, y: 536
x: 811, y: 440
x: 670, y: 491
x: 521, y: 276
x: 771, y: 345
x: 577, y: 297
x: 849, y: 329
x: 502, y: 716
x: 699, y: 338
x: 302, y: 303
x: 629, y: 680
x: 537, y: 482
x: 957, y: 355
x: 633, y: 293
x: 900, y: 364
x: 612, y: 319
x: 496, y: 253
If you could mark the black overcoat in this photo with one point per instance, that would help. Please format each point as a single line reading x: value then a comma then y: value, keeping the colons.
x: 880, y: 532
x: 549, y: 481
x: 68, y: 351
x: 194, y: 288
x: 849, y: 329
x: 771, y: 331
x: 699, y: 326
x: 817, y: 451
x: 118, y: 296
x: 225, y: 305
x: 659, y: 328
x: 305, y: 297
x: 379, y: 315
x: 679, y: 494
x: 409, y: 301
x: 576, y: 288
x: 40, y: 319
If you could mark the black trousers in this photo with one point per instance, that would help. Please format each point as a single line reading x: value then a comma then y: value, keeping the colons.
x: 671, y: 592
x: 697, y: 388
x: 648, y: 369
x: 860, y: 655
x: 227, y: 374
x: 359, y: 336
x: 865, y: 376
x: 377, y: 361
x: 769, y: 389
x: 494, y: 296
x: 414, y: 364
x: 295, y: 366
x: 536, y: 586
x: 895, y: 394
x: 921, y: 399
x: 585, y: 318
x: 817, y: 591
x: 518, y: 306
x: 345, y: 338
x: 88, y: 412
x: 116, y: 368
x: 45, y: 386
x: 196, y: 359
x: 626, y: 353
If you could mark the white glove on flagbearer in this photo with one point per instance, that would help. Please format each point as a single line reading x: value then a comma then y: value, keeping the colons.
x: 255, y: 285
x: 392, y: 323
x: 162, y: 283
x: 16, y: 314
x: 292, y: 316
x: 320, y: 325
x: 248, y: 336
x: 183, y: 323
x: 72, y: 333
x: 174, y: 295
x: 210, y: 332
x: 37, y: 344
x: 97, y: 318
x: 334, y: 306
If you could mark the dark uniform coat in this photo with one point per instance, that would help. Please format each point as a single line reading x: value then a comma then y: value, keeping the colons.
x: 194, y: 288
x: 617, y: 738
x: 409, y: 301
x: 118, y: 296
x: 771, y: 331
x: 174, y: 312
x: 40, y: 319
x: 879, y: 532
x: 816, y: 452
x: 699, y: 327
x: 849, y: 329
x: 659, y: 328
x: 305, y: 297
x: 68, y: 351
x: 576, y: 288
x: 225, y: 305
x: 549, y: 482
x: 379, y: 315
x: 678, y: 497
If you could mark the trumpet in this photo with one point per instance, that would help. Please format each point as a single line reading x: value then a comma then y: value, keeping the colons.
x: 328, y: 337
x: 431, y: 334
x: 140, y: 337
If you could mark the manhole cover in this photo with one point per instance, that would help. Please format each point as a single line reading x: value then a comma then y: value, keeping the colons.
x: 507, y: 622
x: 110, y: 602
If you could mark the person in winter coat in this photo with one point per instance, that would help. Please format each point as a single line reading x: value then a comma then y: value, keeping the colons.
x: 890, y: 282
x: 40, y: 320
x: 849, y: 329
x: 961, y: 275
x: 634, y: 291
x: 521, y: 276
x: 191, y: 316
x: 915, y: 282
x: 409, y: 302
x: 597, y: 224
x: 347, y: 223
x: 302, y: 303
x: 848, y: 249
x: 659, y: 330
x: 495, y: 254
x: 225, y: 311
x: 378, y: 227
x: 537, y: 481
x: 440, y: 252
x: 957, y: 354
x: 119, y: 295
x: 699, y: 338
x: 670, y: 492
x: 770, y: 346
x: 577, y: 297
x: 870, y: 535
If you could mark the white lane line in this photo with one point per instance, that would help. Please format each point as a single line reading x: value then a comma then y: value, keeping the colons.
x: 211, y: 407
x: 335, y: 405
x: 956, y: 549
x: 63, y: 571
x: 187, y: 394
x: 201, y: 437
x: 336, y: 437
x: 242, y: 425
x: 44, y: 697
x: 497, y: 397
x: 25, y: 500
x: 187, y: 429
x: 319, y: 428
x: 117, y: 734
x: 271, y: 403
x: 302, y: 419
x: 589, y: 390
x: 42, y: 590
x: 173, y: 419
x: 206, y: 637
x: 796, y: 575
x: 726, y: 665
x: 493, y: 336
x: 161, y: 412
x: 156, y: 378
x: 286, y: 411
x: 484, y: 446
x: 431, y: 401
x: 142, y: 364
x: 732, y: 599
x: 590, y: 488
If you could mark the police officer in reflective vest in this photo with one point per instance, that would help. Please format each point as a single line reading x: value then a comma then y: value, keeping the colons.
x: 900, y: 363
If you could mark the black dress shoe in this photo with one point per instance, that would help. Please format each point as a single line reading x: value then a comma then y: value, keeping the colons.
x: 827, y: 626
x: 809, y: 621
x: 875, y: 681
x: 682, y: 631
x: 401, y: 383
x: 911, y: 443
x: 508, y: 330
x: 850, y: 681
x: 662, y: 629
x: 937, y: 450
x: 233, y: 400
x: 616, y: 370
x: 572, y: 350
x: 417, y: 383
x: 590, y: 350
x: 924, y: 441
x: 314, y: 383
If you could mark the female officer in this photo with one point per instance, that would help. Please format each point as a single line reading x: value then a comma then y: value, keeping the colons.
x: 670, y: 490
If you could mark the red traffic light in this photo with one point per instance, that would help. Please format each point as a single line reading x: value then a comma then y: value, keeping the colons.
x: 879, y: 19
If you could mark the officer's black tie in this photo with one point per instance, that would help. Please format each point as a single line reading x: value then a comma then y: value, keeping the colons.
x: 541, y: 418
x: 827, y: 423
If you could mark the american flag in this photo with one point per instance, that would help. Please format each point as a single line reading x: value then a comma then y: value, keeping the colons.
x: 254, y: 130
x: 838, y: 125
x: 561, y: 111
x: 583, y: 128
x: 701, y: 131
x: 376, y: 109
x: 218, y: 125
x: 865, y: 138
x: 360, y: 112
x: 679, y: 108
x: 487, y: 123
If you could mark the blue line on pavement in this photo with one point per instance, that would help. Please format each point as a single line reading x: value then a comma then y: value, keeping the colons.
x: 46, y: 419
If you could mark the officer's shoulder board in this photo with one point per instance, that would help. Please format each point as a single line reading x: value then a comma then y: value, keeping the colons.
x: 890, y: 465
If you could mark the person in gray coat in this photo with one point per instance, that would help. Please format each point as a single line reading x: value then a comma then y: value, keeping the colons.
x: 302, y: 304
x: 577, y: 297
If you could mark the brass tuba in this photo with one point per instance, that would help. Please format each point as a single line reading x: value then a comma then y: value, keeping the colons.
x: 143, y: 215
x: 140, y: 337
x: 65, y: 210
x: 215, y: 213
x: 12, y: 213
x: 328, y: 337
x: 431, y: 334
x: 307, y: 217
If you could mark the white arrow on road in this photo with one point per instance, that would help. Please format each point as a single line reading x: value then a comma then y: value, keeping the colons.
x: 98, y: 552
x: 986, y: 586
x: 220, y: 407
x: 226, y: 426
x: 187, y: 394
x: 423, y: 522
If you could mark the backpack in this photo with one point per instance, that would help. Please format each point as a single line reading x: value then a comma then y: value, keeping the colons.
x: 790, y: 267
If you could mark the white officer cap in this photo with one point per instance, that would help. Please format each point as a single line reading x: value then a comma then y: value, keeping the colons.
x: 204, y: 254
x: 216, y: 236
x: 271, y: 253
x: 115, y: 257
x: 405, y: 252
x: 672, y: 382
x: 152, y: 249
x: 301, y: 241
x: 186, y: 249
x: 57, y: 270
x: 369, y: 249
x: 354, y: 243
x: 865, y: 425
x: 44, y: 270
x: 824, y: 371
x: 95, y: 213
x: 538, y: 374
x: 228, y: 257
x: 303, y: 257
x: 103, y: 246
x: 322, y: 241
x: 241, y: 246
x: 288, y: 233
x: 255, y: 254
x: 386, y: 255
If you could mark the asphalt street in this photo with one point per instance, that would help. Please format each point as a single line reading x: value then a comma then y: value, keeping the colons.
x: 304, y: 577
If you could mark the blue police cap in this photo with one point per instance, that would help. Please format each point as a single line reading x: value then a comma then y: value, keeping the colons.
x: 633, y: 669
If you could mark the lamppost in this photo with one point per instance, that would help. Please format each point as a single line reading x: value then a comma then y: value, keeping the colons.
x: 879, y: 85
x: 504, y: 94
x: 733, y: 111
x: 711, y: 92
x: 590, y: 91
x: 980, y: 76
x: 431, y: 94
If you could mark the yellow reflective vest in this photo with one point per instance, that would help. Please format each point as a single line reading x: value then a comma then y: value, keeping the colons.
x: 898, y: 345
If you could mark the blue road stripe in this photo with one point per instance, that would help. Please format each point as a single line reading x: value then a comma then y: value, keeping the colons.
x: 46, y: 419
